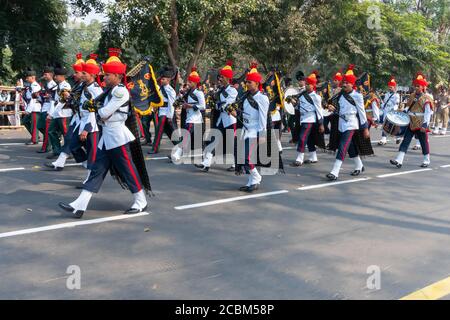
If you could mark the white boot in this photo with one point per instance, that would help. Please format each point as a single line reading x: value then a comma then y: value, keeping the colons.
x: 383, y: 140
x: 176, y: 155
x: 84, y: 164
x: 255, y: 177
x: 81, y: 203
x: 443, y: 132
x: 207, y: 160
x: 426, y: 160
x: 336, y: 168
x: 140, y: 201
x: 300, y: 157
x: 61, y: 161
x: 358, y: 163
x: 400, y: 157
x: 313, y: 156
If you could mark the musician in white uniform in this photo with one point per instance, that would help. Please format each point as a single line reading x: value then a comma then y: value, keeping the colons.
x: 33, y: 106
x: 420, y: 109
x: 254, y: 118
x: 165, y: 113
x: 48, y: 101
x: 72, y: 132
x: 113, y: 148
x: 194, y: 104
x: 311, y: 122
x: 226, y: 122
x: 61, y: 114
x: 390, y: 103
x: 352, y: 117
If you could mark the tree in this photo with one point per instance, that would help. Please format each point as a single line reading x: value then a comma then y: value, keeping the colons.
x: 32, y: 31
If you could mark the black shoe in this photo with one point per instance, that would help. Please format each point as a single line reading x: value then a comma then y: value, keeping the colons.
x: 77, y: 214
x: 244, y: 188
x: 357, y: 172
x: 296, y: 164
x: 79, y: 187
x: 51, y: 166
x: 134, y: 210
x: 231, y: 169
x: 52, y: 156
x: 310, y: 162
x: 42, y: 151
x: 252, y: 188
x: 381, y: 143
x: 202, y: 167
x: 331, y: 177
x: 395, y: 163
x: 31, y: 143
x: 398, y: 141
x: 424, y: 165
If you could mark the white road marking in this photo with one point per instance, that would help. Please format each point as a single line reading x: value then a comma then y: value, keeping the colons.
x: 13, y: 144
x: 446, y: 166
x: 72, y: 164
x: 402, y: 173
x: 443, y: 136
x: 70, y: 225
x: 331, y: 184
x: 63, y: 180
x: 214, y: 202
x: 12, y: 169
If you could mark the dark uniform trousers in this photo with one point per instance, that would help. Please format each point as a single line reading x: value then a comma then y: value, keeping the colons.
x: 422, y: 136
x: 346, y: 145
x: 194, y: 132
x: 305, y: 137
x: 43, y: 126
x: 146, y: 122
x: 165, y: 125
x: 120, y: 158
x: 226, y: 136
x: 91, y: 145
x: 58, y: 128
x: 30, y: 121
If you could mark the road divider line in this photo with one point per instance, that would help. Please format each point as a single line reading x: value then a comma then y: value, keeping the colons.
x: 331, y: 184
x: 220, y: 201
x: 12, y: 169
x: 434, y: 291
x: 13, y: 144
x: 402, y: 173
x: 446, y: 166
x: 70, y: 225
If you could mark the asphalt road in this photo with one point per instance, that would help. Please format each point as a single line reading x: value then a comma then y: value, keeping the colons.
x: 316, y: 242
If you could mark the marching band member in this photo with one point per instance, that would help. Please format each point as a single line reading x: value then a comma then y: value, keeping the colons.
x: 226, y: 122
x: 311, y: 122
x: 352, y: 117
x: 194, y: 120
x: 48, y: 99
x: 165, y: 113
x: 419, y: 108
x: 372, y: 108
x: 33, y: 106
x: 391, y: 103
x: 61, y: 114
x: 443, y: 104
x: 254, y: 115
x: 72, y: 132
x: 114, y: 146
x: 88, y: 130
x: 293, y: 121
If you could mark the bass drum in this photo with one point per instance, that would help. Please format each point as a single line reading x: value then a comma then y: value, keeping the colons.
x: 395, y: 123
x: 289, y: 107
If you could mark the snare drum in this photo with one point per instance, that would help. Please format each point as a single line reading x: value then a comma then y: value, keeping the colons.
x: 395, y: 123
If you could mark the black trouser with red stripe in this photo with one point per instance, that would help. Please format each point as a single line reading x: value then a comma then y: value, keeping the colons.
x: 91, y: 145
x: 193, y: 138
x: 305, y: 137
x: 120, y: 158
x: 58, y: 127
x: 421, y: 136
x: 44, y: 126
x: 165, y: 125
x: 346, y: 145
x: 30, y: 121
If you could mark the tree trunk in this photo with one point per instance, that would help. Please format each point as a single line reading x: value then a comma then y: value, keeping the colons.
x: 200, y: 42
x: 172, y: 58
x: 174, y: 37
